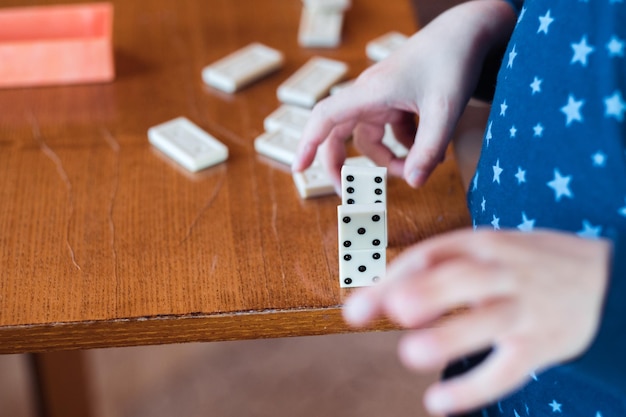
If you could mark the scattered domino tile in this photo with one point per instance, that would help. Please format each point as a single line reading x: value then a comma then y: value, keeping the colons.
x: 389, y: 140
x: 381, y: 47
x: 338, y: 87
x: 362, y: 226
x: 327, y: 4
x: 315, y: 181
x: 59, y: 44
x: 242, y: 67
x: 320, y: 28
x: 363, y: 185
x: 361, y: 268
x: 187, y: 144
x: 279, y: 145
x: 289, y: 118
x: 311, y: 82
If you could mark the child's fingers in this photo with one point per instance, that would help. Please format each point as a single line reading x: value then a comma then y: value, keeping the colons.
x: 367, y: 139
x: 502, y: 371
x: 464, y: 333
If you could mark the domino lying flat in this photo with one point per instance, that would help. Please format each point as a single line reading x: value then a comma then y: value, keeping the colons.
x: 242, y: 67
x: 289, y: 118
x: 279, y: 145
x: 187, y: 144
x: 320, y: 28
x: 383, y: 46
x: 311, y: 82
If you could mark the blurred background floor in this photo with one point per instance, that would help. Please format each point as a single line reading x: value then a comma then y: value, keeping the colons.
x: 338, y: 375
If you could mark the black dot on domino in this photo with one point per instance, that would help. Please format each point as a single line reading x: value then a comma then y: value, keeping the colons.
x: 378, y: 180
x: 376, y: 255
x: 375, y: 218
x: 362, y: 268
x: 350, y: 190
x: 375, y: 242
x: 350, y: 178
x: 348, y: 281
x: 378, y: 191
x: 346, y: 219
x: 347, y: 243
x: 378, y: 201
x: 361, y: 230
x: 347, y: 257
x: 350, y: 201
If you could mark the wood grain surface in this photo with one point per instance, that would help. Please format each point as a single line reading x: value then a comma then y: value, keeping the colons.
x: 105, y: 242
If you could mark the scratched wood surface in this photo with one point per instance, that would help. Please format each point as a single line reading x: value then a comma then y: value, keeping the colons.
x: 104, y: 242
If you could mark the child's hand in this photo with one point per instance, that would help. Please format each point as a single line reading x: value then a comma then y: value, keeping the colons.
x: 535, y: 298
x: 433, y: 75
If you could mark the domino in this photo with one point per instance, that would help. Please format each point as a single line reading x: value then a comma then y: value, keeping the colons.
x: 279, y: 145
x: 320, y: 28
x: 338, y: 87
x: 187, y: 144
x: 311, y: 82
x: 315, y: 181
x: 242, y: 67
x: 383, y: 46
x: 363, y: 185
x: 289, y: 118
x: 327, y: 4
x: 362, y: 226
x: 390, y: 141
x: 361, y: 268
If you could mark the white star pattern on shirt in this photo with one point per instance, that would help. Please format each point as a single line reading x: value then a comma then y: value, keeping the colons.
x: 516, y: 414
x: 544, y: 23
x: 538, y: 130
x: 615, y: 106
x: 536, y: 85
x: 581, y: 51
x: 512, y: 56
x: 488, y: 135
x: 475, y: 182
x: 615, y: 47
x: 599, y: 159
x: 521, y: 14
x: 621, y: 211
x: 560, y: 185
x: 572, y: 110
x: 483, y: 206
x: 503, y: 108
x: 556, y: 407
x: 512, y: 131
x: 520, y: 175
x: 495, y: 222
x: 589, y: 231
x: 497, y: 171
x: 527, y: 225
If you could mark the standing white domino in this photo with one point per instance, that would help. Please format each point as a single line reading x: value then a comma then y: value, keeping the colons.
x: 361, y: 268
x: 320, y: 28
x: 327, y: 4
x: 242, y: 67
x: 383, y: 46
x: 362, y: 226
x: 280, y: 145
x: 187, y: 144
x: 311, y: 82
x: 289, y: 118
x: 315, y: 181
x: 363, y: 185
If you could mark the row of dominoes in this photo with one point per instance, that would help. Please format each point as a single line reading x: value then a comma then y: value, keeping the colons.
x: 362, y: 226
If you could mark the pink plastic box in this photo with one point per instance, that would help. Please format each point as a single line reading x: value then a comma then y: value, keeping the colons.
x: 63, y: 44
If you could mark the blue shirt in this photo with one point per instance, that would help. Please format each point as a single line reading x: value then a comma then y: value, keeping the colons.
x: 554, y: 157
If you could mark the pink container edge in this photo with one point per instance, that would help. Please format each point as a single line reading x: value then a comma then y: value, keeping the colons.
x: 59, y: 60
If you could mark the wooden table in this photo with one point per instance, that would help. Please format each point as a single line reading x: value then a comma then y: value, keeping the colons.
x: 104, y: 242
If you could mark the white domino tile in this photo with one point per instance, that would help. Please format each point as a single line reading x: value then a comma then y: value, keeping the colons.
x: 361, y: 268
x: 311, y: 82
x: 389, y: 140
x: 242, y: 67
x: 363, y: 185
x: 327, y: 4
x: 320, y: 28
x: 280, y: 145
x: 383, y: 46
x: 362, y: 226
x: 187, y: 144
x: 338, y: 87
x: 315, y: 181
x: 289, y: 118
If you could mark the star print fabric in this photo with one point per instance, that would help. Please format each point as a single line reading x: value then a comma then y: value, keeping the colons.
x: 554, y: 157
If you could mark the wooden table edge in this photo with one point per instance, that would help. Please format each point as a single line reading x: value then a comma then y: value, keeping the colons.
x: 159, y: 330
